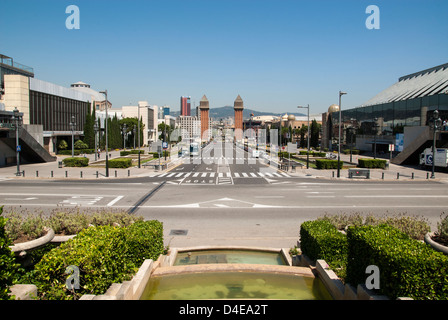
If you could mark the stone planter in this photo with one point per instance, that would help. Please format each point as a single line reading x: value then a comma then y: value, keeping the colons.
x: 435, y: 245
x: 21, y: 248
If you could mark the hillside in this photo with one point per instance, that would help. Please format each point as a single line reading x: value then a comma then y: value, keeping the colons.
x: 227, y: 111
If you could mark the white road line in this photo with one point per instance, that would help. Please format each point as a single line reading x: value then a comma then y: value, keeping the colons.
x: 397, y: 196
x: 204, y: 174
x: 110, y: 204
x: 171, y: 174
x: 212, y: 174
x: 179, y: 174
x: 187, y: 174
x: 162, y: 175
x: 237, y: 175
x: 253, y: 174
x: 245, y: 174
x: 196, y: 174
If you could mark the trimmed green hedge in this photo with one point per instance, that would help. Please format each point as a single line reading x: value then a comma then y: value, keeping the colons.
x: 128, y: 152
x: 319, y: 239
x: 156, y: 155
x: 328, y: 164
x: 8, y: 265
x: 408, y: 268
x: 76, y: 162
x: 104, y: 255
x: 120, y: 163
x: 372, y: 163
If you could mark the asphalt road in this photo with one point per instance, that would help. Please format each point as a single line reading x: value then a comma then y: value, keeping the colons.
x: 228, y: 198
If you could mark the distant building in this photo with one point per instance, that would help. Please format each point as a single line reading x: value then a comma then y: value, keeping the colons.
x: 189, y: 128
x: 166, y: 111
x: 185, y: 106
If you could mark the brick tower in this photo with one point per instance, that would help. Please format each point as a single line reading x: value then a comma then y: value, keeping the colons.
x: 238, y: 107
x: 205, y: 120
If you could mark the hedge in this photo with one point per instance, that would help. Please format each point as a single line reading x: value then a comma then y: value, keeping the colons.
x: 76, y: 152
x: 156, y: 154
x: 120, y: 163
x: 408, y: 268
x: 128, y: 152
x: 8, y: 265
x: 76, y: 162
x: 319, y: 239
x: 372, y: 163
x: 103, y: 255
x: 328, y: 164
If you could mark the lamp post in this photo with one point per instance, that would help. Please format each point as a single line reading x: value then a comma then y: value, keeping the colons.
x: 308, y: 137
x: 133, y: 133
x: 124, y: 136
x: 107, y: 144
x: 72, y: 127
x: 16, y: 117
x: 339, y: 136
x: 95, y: 129
x: 436, y: 122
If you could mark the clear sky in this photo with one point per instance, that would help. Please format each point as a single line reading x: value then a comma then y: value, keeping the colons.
x: 275, y: 54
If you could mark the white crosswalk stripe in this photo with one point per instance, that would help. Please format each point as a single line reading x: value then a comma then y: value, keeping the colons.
x: 224, y: 175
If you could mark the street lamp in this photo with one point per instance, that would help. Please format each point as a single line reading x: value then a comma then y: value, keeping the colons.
x: 107, y: 144
x: 72, y: 127
x: 96, y: 129
x: 133, y: 133
x: 375, y: 132
x: 124, y: 136
x: 436, y: 122
x: 308, y: 137
x: 339, y: 137
x: 17, y: 119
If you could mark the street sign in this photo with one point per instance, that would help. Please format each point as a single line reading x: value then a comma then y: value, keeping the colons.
x: 391, y: 147
x: 19, y: 148
x: 165, y: 145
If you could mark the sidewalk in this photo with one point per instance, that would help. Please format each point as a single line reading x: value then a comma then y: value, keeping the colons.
x: 95, y: 170
x: 394, y: 172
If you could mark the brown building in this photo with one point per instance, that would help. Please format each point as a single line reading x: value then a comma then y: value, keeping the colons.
x: 238, y: 107
x: 205, y: 119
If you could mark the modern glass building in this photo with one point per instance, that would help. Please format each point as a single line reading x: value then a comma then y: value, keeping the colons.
x: 400, y: 111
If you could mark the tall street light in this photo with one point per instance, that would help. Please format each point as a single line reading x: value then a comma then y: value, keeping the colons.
x: 17, y: 119
x: 95, y: 129
x: 124, y: 136
x: 72, y: 127
x: 339, y: 136
x: 437, y: 123
x: 308, y: 137
x: 107, y: 144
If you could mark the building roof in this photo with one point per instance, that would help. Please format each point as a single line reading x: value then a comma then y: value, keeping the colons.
x: 416, y: 85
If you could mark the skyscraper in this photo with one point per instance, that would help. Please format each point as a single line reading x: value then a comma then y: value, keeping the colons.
x: 185, y: 106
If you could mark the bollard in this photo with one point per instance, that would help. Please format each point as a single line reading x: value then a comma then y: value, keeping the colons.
x: 66, y: 174
x: 81, y: 174
x: 382, y: 175
x: 97, y: 174
x: 37, y: 174
x: 398, y: 175
x: 23, y: 173
x: 427, y: 175
x: 333, y: 174
x: 115, y: 173
x: 412, y: 177
x: 51, y: 173
x: 129, y: 173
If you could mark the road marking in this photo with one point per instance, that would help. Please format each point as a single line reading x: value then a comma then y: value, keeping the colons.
x: 237, y: 175
x: 253, y: 174
x: 171, y: 174
x: 110, y: 204
x: 179, y: 175
x: 397, y: 196
x: 196, y: 174
x: 163, y: 174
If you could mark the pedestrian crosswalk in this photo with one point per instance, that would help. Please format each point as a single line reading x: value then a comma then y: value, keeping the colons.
x: 233, y: 175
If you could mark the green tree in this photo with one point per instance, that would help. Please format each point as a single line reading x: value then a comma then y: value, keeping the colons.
x: 314, y: 134
x: 63, y: 145
x: 8, y: 266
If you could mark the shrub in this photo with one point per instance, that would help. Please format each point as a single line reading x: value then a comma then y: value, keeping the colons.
x: 120, y: 163
x: 372, y: 163
x: 8, y: 266
x: 441, y: 234
x: 62, y: 145
x: 69, y: 152
x: 328, y: 164
x: 104, y: 255
x: 76, y: 162
x: 79, y: 144
x: 408, y: 268
x: 128, y: 152
x: 319, y: 239
x: 156, y: 155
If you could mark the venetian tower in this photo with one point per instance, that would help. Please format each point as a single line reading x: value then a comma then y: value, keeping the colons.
x: 204, y: 108
x: 238, y: 107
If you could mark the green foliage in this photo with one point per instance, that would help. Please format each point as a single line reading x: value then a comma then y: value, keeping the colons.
x: 79, y: 144
x: 354, y: 151
x: 128, y: 152
x: 372, y: 163
x: 8, y: 266
x: 163, y: 154
x: 408, y: 268
x: 63, y: 145
x: 441, y: 234
x: 76, y: 162
x: 104, y: 255
x: 69, y: 152
x: 319, y: 239
x: 120, y: 163
x: 328, y: 164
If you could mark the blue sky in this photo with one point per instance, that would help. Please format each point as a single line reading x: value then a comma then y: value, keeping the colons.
x: 275, y: 54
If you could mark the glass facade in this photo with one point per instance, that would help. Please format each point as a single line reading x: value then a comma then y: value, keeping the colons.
x: 394, y: 116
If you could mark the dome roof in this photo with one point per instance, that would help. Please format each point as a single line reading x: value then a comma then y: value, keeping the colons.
x: 333, y: 108
x: 291, y: 117
x: 285, y: 116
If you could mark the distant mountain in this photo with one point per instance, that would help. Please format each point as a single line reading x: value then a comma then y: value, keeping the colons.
x: 227, y: 111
